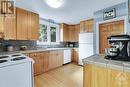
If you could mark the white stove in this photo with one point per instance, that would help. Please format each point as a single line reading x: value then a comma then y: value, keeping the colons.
x: 6, y: 60
x: 16, y: 70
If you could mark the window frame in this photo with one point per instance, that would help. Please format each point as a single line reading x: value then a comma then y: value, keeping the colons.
x: 49, y: 25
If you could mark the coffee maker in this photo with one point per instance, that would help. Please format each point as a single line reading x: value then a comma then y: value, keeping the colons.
x: 119, y: 48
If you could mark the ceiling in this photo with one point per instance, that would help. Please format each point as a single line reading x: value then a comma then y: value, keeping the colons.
x: 71, y: 12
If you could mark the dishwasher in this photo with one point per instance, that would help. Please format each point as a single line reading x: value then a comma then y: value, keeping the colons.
x: 67, y: 56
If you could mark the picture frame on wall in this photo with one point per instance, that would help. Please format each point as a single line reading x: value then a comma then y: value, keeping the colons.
x: 109, y: 14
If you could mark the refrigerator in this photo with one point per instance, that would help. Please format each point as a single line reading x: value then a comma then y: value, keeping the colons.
x: 86, y: 46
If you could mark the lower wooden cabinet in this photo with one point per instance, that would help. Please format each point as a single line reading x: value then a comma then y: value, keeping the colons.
x: 55, y: 59
x: 38, y: 63
x: 45, y: 65
x: 97, y: 76
x: 75, y: 55
x: 45, y: 61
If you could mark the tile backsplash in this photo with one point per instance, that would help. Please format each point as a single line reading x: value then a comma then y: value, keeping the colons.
x: 17, y: 44
x: 30, y: 44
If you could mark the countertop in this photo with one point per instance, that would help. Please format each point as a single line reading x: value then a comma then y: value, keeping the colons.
x: 32, y: 51
x: 99, y: 60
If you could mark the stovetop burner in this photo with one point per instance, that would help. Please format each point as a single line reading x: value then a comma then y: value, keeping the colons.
x: 16, y: 55
x: 18, y: 58
x: 2, y: 61
x: 3, y: 57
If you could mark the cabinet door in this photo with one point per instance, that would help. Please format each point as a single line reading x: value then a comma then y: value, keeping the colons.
x: 75, y: 56
x: 38, y: 65
x: 10, y: 28
x: 45, y: 56
x: 22, y: 24
x: 99, y: 76
x: 82, y: 25
x: 126, y: 79
x: 60, y: 57
x: 71, y: 33
x: 64, y: 32
x: 87, y: 75
x: 33, y: 26
x: 53, y: 59
x: 116, y: 78
x: 77, y: 31
x: 1, y: 27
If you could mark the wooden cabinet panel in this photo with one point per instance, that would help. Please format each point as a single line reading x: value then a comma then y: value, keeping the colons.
x: 108, y: 29
x: 10, y: 28
x: 22, y: 24
x: 116, y: 77
x: 87, y: 26
x: 75, y: 57
x: 55, y: 59
x: 45, y: 56
x: 38, y: 65
x: 27, y: 25
x: 77, y: 31
x: 87, y: 75
x: 70, y: 33
x: 33, y: 26
x: 126, y: 80
x: 60, y: 58
x: 82, y: 25
x: 97, y: 76
x: 64, y: 32
x: 45, y: 61
x: 1, y: 27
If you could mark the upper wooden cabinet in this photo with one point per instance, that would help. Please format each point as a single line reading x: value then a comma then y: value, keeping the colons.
x: 27, y: 25
x: 33, y: 27
x: 70, y: 33
x: 8, y: 27
x: 87, y: 26
x: 24, y: 25
x: 64, y: 32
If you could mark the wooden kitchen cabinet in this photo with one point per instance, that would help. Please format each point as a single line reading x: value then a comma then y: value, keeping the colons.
x: 27, y: 25
x: 126, y: 82
x: 45, y: 61
x: 22, y: 24
x: 60, y: 57
x: 45, y: 56
x: 116, y: 78
x: 75, y: 54
x: 87, y: 75
x: 38, y: 65
x: 69, y: 33
x: 33, y: 26
x: 64, y: 32
x: 98, y: 76
x: 10, y: 28
x: 87, y: 26
x: 55, y: 59
x: 72, y: 33
x: 1, y: 27
x: 108, y: 29
x: 77, y: 31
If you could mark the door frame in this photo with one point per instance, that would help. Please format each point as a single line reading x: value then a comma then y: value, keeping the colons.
x: 107, y: 21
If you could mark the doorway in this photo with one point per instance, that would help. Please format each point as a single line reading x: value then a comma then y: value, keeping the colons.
x: 108, y: 29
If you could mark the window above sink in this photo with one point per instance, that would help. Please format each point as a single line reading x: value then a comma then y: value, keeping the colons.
x: 49, y: 33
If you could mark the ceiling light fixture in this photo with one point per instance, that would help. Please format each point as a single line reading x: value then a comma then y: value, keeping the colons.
x: 54, y: 3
